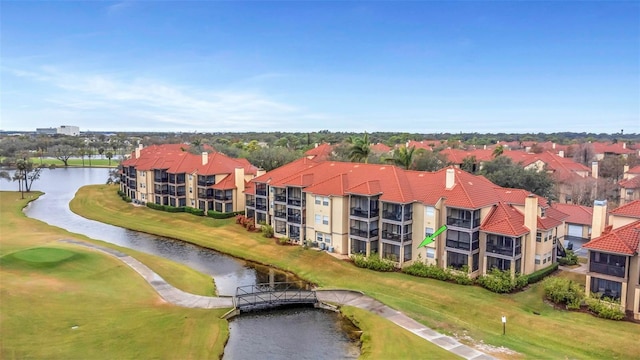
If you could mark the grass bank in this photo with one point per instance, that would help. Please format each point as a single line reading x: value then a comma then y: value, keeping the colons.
x: 466, y: 311
x: 76, y: 162
x: 60, y: 301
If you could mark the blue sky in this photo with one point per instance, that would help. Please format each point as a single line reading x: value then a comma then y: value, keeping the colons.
x: 423, y: 67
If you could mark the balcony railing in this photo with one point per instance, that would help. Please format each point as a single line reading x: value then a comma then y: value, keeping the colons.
x: 164, y: 179
x: 261, y: 206
x: 364, y: 233
x: 223, y: 198
x: 205, y: 196
x: 250, y: 203
x: 280, y: 214
x: 364, y: 213
x: 280, y: 197
x: 463, y: 223
x: 388, y: 235
x: 294, y: 219
x: 295, y: 201
x: 503, y: 250
x: 606, y: 269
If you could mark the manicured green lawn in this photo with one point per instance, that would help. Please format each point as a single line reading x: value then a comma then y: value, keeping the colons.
x: 453, y: 309
x: 95, y: 162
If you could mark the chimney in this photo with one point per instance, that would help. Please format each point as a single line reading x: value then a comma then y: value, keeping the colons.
x: 599, y: 220
x: 316, y: 145
x: 138, y: 149
x: 561, y: 153
x: 531, y: 222
x: 553, y: 145
x: 485, y: 146
x: 624, y: 145
x: 205, y: 158
x: 260, y: 172
x: 625, y: 172
x: 239, y: 198
x: 450, y: 179
x: 594, y: 169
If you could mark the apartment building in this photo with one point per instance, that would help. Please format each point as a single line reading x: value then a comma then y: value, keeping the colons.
x: 170, y: 175
x: 630, y: 185
x: 378, y: 209
x: 613, y: 260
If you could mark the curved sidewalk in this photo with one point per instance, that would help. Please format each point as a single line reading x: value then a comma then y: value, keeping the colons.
x: 342, y: 297
x: 168, y: 293
x: 359, y: 300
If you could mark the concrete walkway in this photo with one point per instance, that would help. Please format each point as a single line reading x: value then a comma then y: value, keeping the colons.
x: 359, y: 300
x: 341, y: 297
x: 168, y: 293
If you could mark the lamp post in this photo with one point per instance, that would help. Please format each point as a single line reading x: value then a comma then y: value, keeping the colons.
x: 504, y: 325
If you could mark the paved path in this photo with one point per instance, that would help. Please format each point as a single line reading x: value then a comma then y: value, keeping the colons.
x: 169, y: 293
x: 342, y: 297
x: 359, y: 300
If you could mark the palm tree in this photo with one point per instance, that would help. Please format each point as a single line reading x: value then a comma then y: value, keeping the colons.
x: 498, y: 151
x: 403, y: 157
x: 360, y: 148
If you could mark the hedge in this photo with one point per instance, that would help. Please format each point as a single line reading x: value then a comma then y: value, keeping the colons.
x: 223, y: 215
x: 541, y: 274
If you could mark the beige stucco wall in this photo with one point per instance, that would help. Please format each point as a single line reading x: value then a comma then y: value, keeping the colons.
x: 618, y: 221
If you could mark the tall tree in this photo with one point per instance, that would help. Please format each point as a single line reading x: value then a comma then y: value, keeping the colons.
x: 502, y: 171
x: 469, y: 164
x: 109, y: 155
x: 403, y: 157
x: 62, y: 153
x: 499, y: 150
x: 360, y: 148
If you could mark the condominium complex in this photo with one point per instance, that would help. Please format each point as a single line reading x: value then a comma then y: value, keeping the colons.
x: 170, y: 175
x: 613, y: 260
x: 378, y: 209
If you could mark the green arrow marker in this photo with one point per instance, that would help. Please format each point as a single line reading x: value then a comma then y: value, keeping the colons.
x: 429, y: 239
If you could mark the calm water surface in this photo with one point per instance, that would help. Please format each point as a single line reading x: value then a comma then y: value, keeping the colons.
x: 282, y: 334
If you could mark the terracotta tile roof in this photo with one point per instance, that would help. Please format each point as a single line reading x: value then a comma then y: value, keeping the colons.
x: 504, y: 220
x: 633, y: 183
x: 553, y: 218
x: 562, y: 169
x: 287, y: 170
x: 228, y: 183
x: 622, y: 240
x: 456, y: 156
x: 321, y: 151
x: 609, y: 148
x: 380, y: 148
x: 578, y: 214
x: 634, y: 170
x: 631, y: 209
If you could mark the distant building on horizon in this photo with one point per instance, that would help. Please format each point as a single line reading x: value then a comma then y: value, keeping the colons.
x: 60, y: 130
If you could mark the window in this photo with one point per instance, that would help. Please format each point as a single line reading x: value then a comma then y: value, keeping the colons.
x: 318, y: 219
x: 608, y: 288
x: 498, y: 263
x: 430, y: 211
x: 407, y: 253
x: 476, y: 262
x: 457, y: 261
x: 428, y: 231
x: 193, y: 202
x: 538, y: 237
x: 431, y: 253
x: 327, y: 238
x: 319, y: 236
x: 549, y: 256
x: 537, y: 259
x: 318, y: 200
x: 325, y: 201
x: 325, y: 220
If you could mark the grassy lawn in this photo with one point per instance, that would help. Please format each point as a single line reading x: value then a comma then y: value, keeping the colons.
x: 49, y: 287
x: 453, y: 309
x: 95, y: 162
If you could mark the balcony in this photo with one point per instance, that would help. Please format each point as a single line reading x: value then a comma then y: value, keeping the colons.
x: 503, y: 250
x: 364, y: 213
x: 388, y: 235
x: 250, y: 203
x: 280, y: 214
x: 261, y: 206
x: 280, y: 198
x: 296, y: 219
x: 364, y: 233
x: 295, y: 202
x: 163, y: 179
x: 223, y: 198
x: 261, y: 189
x: 202, y: 195
x: 463, y: 223
x: 606, y: 269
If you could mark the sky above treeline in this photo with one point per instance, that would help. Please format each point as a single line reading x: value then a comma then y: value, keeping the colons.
x: 418, y: 66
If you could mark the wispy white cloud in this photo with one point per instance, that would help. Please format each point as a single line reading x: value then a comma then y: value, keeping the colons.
x: 118, y: 7
x: 167, y: 106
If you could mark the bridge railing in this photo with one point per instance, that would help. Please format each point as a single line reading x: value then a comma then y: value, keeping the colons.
x: 272, y: 295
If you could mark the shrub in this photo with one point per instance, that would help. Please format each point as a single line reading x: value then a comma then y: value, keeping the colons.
x: 605, y: 308
x: 569, y: 259
x: 283, y: 240
x: 563, y: 291
x: 500, y: 281
x: 434, y: 272
x: 541, y: 274
x: 373, y: 262
x: 222, y: 215
x: 267, y: 230
x: 194, y: 211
